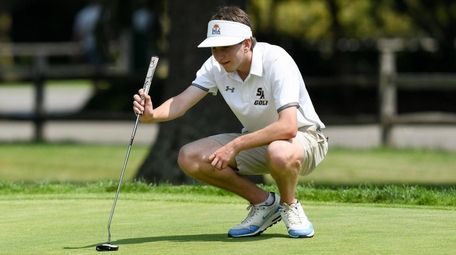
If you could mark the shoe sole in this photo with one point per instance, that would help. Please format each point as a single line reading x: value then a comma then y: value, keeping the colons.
x: 260, y: 230
x: 303, y: 236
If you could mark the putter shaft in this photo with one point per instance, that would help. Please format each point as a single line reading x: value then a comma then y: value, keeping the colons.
x: 122, y: 173
x: 146, y: 87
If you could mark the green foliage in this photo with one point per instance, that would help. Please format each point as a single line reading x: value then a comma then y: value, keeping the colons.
x: 314, y: 20
x: 383, y: 194
x: 311, y: 19
x: 443, y: 196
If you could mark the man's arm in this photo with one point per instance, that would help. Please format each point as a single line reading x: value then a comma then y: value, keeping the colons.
x: 170, y: 109
x: 284, y: 128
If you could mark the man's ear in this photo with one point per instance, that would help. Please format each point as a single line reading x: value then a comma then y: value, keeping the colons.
x: 247, y: 44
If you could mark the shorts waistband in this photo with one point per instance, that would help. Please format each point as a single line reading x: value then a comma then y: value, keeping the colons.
x: 309, y: 128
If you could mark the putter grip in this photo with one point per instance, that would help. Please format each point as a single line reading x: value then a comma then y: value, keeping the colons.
x: 150, y: 73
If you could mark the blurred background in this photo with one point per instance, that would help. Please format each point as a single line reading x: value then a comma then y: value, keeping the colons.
x: 381, y: 74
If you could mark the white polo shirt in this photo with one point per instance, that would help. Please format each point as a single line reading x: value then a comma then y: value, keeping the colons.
x: 273, y: 84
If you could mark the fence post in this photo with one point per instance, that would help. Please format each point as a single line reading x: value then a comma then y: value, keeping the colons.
x: 387, y: 87
x: 39, y: 112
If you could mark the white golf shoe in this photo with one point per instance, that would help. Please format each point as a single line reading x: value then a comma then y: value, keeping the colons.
x: 260, y: 218
x: 296, y: 221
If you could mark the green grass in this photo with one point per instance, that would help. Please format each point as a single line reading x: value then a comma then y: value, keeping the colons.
x: 381, y: 165
x: 182, y: 223
x: 66, y: 162
x: 437, y: 196
x: 76, y: 162
x: 55, y: 199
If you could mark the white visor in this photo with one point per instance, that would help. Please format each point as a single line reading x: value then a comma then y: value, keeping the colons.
x: 225, y: 33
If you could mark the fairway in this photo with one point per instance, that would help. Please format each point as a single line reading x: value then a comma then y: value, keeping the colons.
x: 148, y: 223
x: 82, y: 163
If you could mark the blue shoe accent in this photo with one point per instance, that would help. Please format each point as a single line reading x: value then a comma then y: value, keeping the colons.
x: 260, y: 218
x: 302, y: 233
x: 296, y: 221
x: 240, y: 232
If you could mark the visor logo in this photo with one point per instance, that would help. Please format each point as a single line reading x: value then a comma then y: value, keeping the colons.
x: 216, y: 29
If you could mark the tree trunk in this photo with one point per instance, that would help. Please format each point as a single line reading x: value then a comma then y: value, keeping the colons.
x: 210, y: 116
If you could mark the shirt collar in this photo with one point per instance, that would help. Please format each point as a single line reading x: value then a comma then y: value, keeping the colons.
x: 257, y: 61
x: 256, y: 67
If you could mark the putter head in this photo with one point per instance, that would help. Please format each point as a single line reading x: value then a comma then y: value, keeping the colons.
x: 107, y: 247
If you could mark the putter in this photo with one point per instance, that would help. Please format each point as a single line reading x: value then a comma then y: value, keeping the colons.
x: 108, y: 246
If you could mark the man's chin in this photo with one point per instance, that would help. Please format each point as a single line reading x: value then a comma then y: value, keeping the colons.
x: 228, y: 69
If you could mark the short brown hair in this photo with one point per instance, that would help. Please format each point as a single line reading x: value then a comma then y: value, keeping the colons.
x: 236, y: 14
x: 232, y: 13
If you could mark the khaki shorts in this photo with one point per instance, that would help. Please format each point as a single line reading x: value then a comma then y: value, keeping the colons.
x: 253, y: 161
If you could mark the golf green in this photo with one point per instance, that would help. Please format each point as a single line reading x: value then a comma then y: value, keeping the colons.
x: 146, y: 223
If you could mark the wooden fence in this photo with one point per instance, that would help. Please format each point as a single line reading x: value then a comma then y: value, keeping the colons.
x: 41, y: 70
x: 388, y: 81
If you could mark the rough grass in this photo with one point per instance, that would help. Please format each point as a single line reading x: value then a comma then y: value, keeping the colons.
x: 442, y: 196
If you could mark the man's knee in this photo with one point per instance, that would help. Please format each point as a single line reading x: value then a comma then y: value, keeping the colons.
x: 184, y: 158
x: 190, y: 159
x: 281, y: 157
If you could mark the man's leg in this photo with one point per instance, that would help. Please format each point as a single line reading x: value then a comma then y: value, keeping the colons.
x: 264, y: 207
x: 284, y: 158
x: 193, y: 160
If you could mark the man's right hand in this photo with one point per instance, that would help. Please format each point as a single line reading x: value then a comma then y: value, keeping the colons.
x: 142, y: 105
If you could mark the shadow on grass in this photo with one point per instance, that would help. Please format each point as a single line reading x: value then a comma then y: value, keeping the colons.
x: 184, y: 238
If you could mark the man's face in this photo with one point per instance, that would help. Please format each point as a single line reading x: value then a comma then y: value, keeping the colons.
x: 230, y: 57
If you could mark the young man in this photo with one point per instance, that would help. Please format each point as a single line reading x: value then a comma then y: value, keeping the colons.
x: 281, y: 136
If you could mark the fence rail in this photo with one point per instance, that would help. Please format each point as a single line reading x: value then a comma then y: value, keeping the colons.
x: 388, y: 82
x: 41, y: 70
x: 441, y: 81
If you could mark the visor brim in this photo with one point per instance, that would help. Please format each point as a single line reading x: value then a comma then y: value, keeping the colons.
x: 220, y: 41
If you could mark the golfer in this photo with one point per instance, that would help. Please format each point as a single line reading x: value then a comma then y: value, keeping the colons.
x: 281, y: 133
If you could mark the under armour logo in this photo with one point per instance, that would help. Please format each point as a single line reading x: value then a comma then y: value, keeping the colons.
x: 228, y: 88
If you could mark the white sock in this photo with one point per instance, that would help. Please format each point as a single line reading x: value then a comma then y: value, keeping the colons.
x: 269, y: 201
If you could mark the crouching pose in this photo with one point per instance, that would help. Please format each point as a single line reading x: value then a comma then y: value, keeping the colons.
x: 281, y: 133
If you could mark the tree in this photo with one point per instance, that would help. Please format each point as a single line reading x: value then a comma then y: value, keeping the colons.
x: 435, y: 19
x: 188, y: 23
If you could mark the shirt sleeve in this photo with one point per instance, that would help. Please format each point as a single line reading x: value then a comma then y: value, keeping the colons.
x: 205, y: 78
x: 287, y: 80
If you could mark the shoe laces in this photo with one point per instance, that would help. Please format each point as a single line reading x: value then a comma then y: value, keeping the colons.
x: 252, y: 213
x: 291, y: 214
